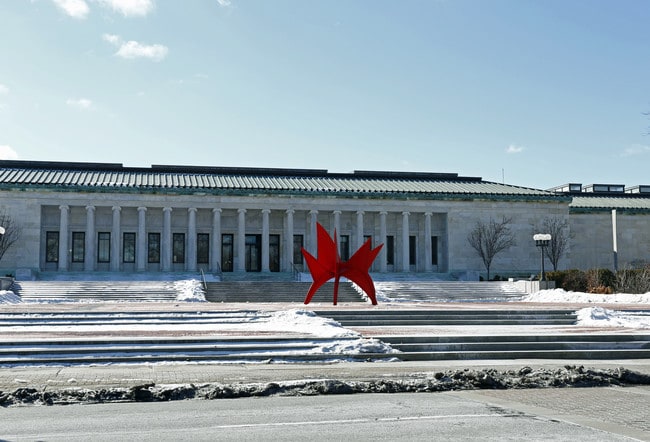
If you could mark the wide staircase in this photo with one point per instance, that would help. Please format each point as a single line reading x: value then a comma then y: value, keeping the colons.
x: 448, y: 291
x: 476, y: 337
x: 137, y: 291
x: 278, y: 291
x: 521, y: 346
x: 462, y: 317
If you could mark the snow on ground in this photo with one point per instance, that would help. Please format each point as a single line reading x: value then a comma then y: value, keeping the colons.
x: 560, y: 295
x: 602, y: 317
x: 189, y: 290
x: 8, y: 297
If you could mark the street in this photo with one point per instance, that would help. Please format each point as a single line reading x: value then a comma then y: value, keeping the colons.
x: 468, y: 415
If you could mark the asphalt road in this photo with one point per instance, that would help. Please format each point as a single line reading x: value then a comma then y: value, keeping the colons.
x: 452, y: 416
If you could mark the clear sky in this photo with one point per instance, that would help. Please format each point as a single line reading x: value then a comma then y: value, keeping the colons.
x: 536, y: 93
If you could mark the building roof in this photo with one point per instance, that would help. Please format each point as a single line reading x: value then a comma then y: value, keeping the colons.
x: 625, y: 202
x: 104, y: 177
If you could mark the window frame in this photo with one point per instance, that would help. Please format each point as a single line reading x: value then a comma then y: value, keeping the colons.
x: 52, y: 246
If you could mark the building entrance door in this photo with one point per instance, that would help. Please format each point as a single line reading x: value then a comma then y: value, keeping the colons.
x: 253, y: 259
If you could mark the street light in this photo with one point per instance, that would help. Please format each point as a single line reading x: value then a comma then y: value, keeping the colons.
x: 542, y: 240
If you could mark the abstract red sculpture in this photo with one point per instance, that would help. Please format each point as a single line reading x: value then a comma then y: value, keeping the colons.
x: 328, y: 265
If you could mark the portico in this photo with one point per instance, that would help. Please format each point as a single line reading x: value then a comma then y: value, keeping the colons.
x: 228, y: 238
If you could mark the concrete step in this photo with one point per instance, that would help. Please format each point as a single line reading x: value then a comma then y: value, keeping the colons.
x: 548, y: 346
x: 274, y: 291
x: 96, y: 290
x: 387, y: 318
x: 448, y: 290
x: 86, y: 351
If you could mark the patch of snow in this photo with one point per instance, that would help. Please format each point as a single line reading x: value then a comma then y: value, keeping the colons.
x: 9, y: 297
x: 560, y: 295
x: 602, y: 317
x: 304, y: 321
x: 189, y: 290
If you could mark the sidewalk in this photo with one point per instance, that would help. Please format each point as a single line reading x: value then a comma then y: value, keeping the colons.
x: 126, y: 376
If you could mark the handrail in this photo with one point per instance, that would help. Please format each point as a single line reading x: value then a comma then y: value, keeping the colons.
x: 205, y: 284
x: 296, y: 272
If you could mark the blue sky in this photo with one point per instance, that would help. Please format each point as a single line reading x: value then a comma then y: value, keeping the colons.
x: 536, y: 93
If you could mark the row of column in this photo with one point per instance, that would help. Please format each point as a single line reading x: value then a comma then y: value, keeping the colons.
x: 215, y: 249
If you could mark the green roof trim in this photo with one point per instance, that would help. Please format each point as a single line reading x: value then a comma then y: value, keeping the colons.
x: 623, y: 202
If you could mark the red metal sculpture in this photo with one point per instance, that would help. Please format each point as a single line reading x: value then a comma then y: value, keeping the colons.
x: 328, y: 265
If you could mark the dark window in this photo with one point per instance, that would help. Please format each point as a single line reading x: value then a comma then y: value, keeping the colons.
x: 434, y: 250
x: 103, y: 247
x: 253, y: 260
x: 298, y: 241
x: 153, y: 247
x: 390, y: 250
x: 412, y: 250
x: 344, y: 247
x: 78, y: 246
x: 202, y: 248
x: 367, y: 238
x: 226, y: 252
x: 52, y: 247
x: 128, y: 247
x: 178, y: 248
x: 274, y: 253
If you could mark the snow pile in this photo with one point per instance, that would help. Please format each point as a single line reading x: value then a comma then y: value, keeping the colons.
x: 8, y: 297
x: 602, y: 317
x: 304, y: 321
x: 560, y: 295
x: 356, y: 346
x: 189, y: 290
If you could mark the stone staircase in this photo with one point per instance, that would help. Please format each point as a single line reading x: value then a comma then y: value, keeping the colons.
x: 401, y: 318
x: 278, y: 291
x: 472, y: 342
x: 537, y: 346
x: 140, y: 291
x: 182, y: 350
x: 448, y: 291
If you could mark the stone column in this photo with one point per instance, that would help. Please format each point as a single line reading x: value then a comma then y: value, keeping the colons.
x: 89, y: 257
x: 337, y: 224
x: 359, y: 229
x: 166, y: 241
x: 313, y: 240
x: 288, y: 251
x: 115, y: 239
x: 405, y: 241
x: 64, y: 238
x: 141, y: 247
x: 191, y: 240
x: 427, y: 242
x: 265, y: 240
x: 240, y: 261
x: 382, y: 239
x: 215, y: 264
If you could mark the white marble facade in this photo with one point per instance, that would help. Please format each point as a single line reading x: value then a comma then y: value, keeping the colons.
x: 425, y: 236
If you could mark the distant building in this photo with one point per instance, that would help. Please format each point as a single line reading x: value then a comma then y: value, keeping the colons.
x: 107, y: 217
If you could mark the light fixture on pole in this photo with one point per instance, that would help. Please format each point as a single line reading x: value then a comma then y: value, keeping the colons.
x: 542, y: 240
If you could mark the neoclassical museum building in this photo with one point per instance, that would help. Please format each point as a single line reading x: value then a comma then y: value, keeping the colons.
x: 89, y: 217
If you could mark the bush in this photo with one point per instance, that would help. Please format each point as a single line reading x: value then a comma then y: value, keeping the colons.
x: 601, y: 281
x: 633, y: 280
x: 573, y: 280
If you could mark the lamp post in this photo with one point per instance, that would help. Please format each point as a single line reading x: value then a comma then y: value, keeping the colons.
x: 542, y: 240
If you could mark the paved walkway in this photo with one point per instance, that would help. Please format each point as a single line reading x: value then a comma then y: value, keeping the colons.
x: 123, y: 375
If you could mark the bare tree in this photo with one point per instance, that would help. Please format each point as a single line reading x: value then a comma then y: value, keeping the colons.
x: 558, y: 228
x: 12, y: 231
x: 490, y: 238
